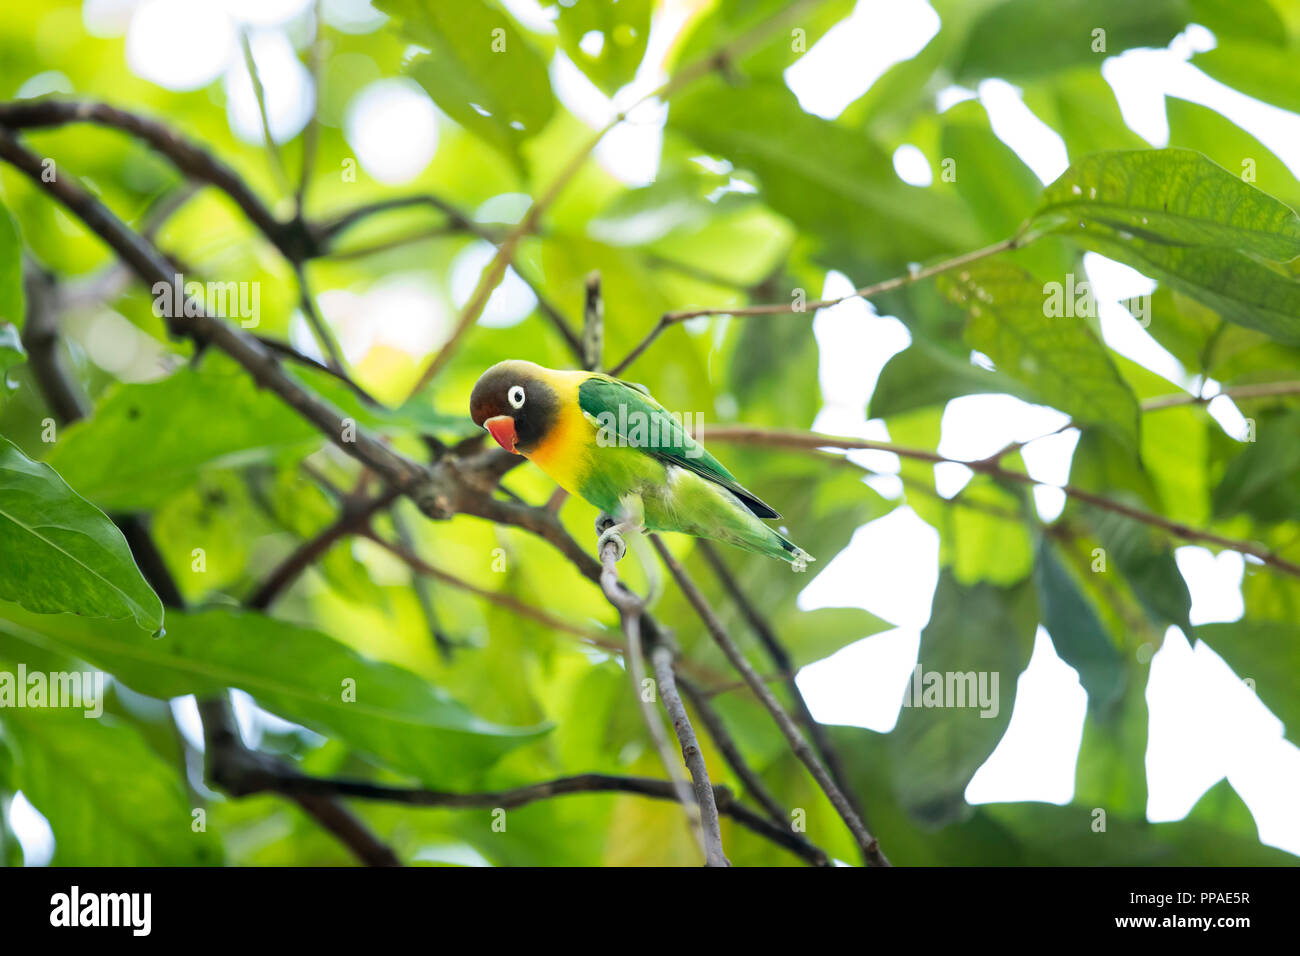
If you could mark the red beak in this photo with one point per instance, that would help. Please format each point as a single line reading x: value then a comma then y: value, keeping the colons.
x: 502, y: 428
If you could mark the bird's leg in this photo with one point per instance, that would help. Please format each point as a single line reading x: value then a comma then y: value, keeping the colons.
x: 631, y: 519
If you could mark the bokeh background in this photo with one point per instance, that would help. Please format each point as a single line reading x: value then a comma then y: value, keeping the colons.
x: 812, y: 162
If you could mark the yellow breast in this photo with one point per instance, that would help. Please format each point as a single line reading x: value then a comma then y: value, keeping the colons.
x: 563, y: 453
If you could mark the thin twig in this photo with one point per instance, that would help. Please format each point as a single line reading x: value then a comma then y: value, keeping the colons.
x: 812, y: 441
x: 496, y: 269
x: 291, y: 237
x: 423, y: 586
x: 510, y: 603
x: 593, y: 325
x: 587, y: 783
x: 259, y: 93
x: 669, y: 319
x: 354, y: 519
x: 240, y: 772
x: 311, y: 135
x: 869, y: 845
x: 780, y: 657
x: 319, y: 329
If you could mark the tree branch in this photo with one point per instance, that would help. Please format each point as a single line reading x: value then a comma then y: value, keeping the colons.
x: 870, y: 846
x: 812, y: 441
x: 295, y: 783
x: 669, y: 319
x: 780, y: 657
x: 726, y: 745
x: 291, y: 237
x: 701, y: 810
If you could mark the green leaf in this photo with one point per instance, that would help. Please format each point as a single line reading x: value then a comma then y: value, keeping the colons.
x: 11, y: 271
x: 1080, y: 105
x: 992, y: 180
x: 1223, y: 141
x: 301, y: 674
x: 61, y: 553
x: 1059, y: 357
x: 1267, y: 654
x: 110, y: 800
x: 1262, y: 70
x: 11, y: 350
x: 1147, y: 563
x: 1175, y: 197
x: 146, y: 442
x: 1241, y: 289
x: 924, y: 375
x: 1018, y: 39
x: 480, y: 70
x: 981, y: 631
x: 622, y: 28
x: 1262, y: 481
x: 1077, y: 632
x: 1245, y: 19
x: 834, y: 182
x: 731, y: 20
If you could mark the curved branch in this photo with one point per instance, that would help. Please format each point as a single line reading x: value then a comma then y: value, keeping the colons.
x: 296, y: 784
x: 291, y: 237
x: 669, y: 319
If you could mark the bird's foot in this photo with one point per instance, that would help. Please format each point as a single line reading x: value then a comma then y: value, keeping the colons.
x: 610, y: 531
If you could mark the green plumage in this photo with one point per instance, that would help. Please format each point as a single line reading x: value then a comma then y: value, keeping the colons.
x: 647, y: 467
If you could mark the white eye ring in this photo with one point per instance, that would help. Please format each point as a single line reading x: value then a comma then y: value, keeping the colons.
x: 515, y: 396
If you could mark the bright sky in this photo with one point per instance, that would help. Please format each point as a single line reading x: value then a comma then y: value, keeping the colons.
x: 1205, y: 723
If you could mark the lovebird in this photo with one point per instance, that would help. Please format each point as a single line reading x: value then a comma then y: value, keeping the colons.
x: 610, y: 442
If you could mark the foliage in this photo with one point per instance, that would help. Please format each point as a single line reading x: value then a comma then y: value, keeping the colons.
x: 468, y: 655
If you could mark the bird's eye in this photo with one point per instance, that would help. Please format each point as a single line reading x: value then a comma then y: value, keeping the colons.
x: 515, y: 396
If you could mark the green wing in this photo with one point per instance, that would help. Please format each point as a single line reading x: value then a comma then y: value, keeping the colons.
x: 622, y: 405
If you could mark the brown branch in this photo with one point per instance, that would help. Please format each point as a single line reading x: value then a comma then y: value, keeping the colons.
x: 319, y: 329
x: 869, y: 845
x: 510, y: 603
x: 812, y: 441
x: 593, y: 325
x: 1260, y: 390
x: 354, y: 519
x: 780, y: 657
x: 702, y: 809
x: 241, y: 772
x: 408, y: 476
x: 669, y: 319
x: 730, y: 751
x: 588, y: 783
x: 291, y: 237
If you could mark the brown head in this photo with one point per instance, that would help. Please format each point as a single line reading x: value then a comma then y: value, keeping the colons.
x: 516, y: 404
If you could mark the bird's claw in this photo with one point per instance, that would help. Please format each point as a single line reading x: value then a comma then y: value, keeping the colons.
x: 612, y: 533
x: 604, y: 522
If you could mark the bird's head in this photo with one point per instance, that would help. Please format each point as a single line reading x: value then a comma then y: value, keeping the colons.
x: 515, y: 403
